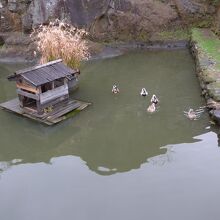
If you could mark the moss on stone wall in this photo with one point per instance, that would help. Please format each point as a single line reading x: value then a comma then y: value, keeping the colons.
x: 208, y: 43
x: 172, y: 35
x: 206, y: 50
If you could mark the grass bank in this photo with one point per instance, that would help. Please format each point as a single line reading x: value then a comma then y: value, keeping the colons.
x: 205, y: 47
x: 171, y: 35
x: 208, y: 43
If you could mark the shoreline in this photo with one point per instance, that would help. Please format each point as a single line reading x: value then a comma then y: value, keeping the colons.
x: 117, y: 49
x: 10, y: 59
x: 205, y: 47
x: 111, y: 50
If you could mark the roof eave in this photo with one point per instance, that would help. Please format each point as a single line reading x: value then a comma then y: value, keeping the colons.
x: 12, y: 77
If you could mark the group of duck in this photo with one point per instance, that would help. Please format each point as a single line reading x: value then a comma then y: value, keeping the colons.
x: 191, y: 114
x: 154, y: 100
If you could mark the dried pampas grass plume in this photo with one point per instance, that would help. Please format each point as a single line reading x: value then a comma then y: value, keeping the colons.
x: 60, y: 40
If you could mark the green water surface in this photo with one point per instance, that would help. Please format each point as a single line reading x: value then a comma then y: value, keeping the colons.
x: 114, y: 161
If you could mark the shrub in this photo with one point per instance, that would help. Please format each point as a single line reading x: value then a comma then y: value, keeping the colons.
x: 59, y: 40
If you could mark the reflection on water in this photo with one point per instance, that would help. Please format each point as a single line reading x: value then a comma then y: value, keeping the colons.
x: 147, y: 153
x: 4, y: 165
x: 181, y: 184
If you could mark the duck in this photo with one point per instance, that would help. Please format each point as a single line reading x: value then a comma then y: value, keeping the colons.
x: 115, y: 89
x: 194, y: 114
x: 154, y: 99
x: 143, y: 92
x: 191, y: 114
x: 151, y: 108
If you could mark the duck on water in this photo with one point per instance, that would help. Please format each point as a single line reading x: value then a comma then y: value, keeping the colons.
x: 154, y: 101
x: 143, y: 92
x: 115, y: 89
x: 194, y: 114
x: 191, y: 114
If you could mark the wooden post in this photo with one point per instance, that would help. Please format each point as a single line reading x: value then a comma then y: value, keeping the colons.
x: 39, y: 109
x: 39, y: 89
x: 66, y: 83
x: 21, y: 100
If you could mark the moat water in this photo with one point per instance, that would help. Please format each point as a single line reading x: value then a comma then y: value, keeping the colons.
x: 114, y: 160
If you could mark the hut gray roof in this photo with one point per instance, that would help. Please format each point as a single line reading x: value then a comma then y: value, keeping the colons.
x: 41, y: 74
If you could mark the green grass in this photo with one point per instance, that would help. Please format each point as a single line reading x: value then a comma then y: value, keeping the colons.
x: 208, y: 43
x: 179, y: 34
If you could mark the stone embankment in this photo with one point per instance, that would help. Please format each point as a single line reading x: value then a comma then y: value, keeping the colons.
x: 107, y: 21
x: 205, y: 47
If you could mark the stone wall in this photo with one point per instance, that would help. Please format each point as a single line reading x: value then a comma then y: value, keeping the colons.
x: 115, y: 19
x: 23, y: 15
x: 205, y: 47
x: 106, y: 20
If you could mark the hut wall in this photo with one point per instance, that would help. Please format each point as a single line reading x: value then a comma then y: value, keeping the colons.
x: 54, y: 103
x: 53, y: 94
x: 27, y: 94
x: 73, y: 84
x: 23, y: 85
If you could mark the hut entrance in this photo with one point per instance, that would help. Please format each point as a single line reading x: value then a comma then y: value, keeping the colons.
x: 29, y: 103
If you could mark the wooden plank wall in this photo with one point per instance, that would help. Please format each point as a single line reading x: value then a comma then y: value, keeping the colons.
x: 27, y: 87
x: 53, y: 94
x: 27, y: 94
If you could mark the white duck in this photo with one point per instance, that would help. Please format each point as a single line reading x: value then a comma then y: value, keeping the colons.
x: 143, y: 92
x: 154, y: 99
x: 151, y: 108
x: 115, y: 89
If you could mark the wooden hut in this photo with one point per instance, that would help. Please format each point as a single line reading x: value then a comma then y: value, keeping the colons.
x: 43, y: 90
x: 42, y: 87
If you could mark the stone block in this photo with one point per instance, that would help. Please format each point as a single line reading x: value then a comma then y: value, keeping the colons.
x: 12, y: 5
x: 215, y: 115
x: 209, y: 75
x: 27, y: 22
x: 214, y: 90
